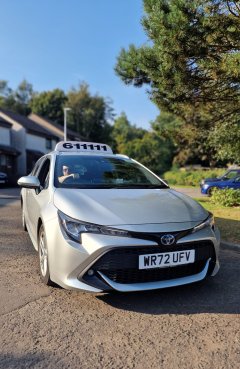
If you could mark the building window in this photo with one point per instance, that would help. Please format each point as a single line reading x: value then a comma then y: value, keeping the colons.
x: 48, y: 143
x: 3, y: 160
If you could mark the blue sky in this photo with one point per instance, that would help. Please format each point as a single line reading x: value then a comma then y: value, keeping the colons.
x: 58, y: 43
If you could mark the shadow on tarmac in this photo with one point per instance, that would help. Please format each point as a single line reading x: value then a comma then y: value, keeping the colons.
x: 11, y: 361
x: 217, y: 295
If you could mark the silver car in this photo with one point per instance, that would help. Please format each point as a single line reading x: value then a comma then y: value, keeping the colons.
x: 103, y: 222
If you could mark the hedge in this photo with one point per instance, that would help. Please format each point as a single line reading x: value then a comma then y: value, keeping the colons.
x: 226, y: 197
x: 191, y: 177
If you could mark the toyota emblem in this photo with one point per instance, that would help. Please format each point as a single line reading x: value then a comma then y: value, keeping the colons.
x: 167, y: 239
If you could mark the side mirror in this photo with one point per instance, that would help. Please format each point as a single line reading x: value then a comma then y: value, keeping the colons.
x: 29, y: 182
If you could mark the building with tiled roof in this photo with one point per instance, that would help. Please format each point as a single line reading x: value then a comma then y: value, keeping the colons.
x: 55, y: 128
x: 22, y: 143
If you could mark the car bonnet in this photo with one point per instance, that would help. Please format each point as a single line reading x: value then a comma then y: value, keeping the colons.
x: 130, y: 208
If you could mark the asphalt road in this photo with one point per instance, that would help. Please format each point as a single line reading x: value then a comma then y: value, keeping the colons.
x: 195, y: 326
x: 193, y: 192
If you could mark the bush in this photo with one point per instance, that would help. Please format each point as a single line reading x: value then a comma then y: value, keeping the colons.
x: 191, y: 177
x: 226, y: 197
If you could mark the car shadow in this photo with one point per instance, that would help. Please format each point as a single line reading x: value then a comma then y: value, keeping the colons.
x: 213, y: 295
x: 30, y: 360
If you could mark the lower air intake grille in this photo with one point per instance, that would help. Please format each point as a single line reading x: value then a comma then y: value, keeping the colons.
x: 154, y: 275
x: 121, y: 264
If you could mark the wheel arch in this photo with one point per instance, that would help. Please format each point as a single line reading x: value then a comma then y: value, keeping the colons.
x: 209, y: 190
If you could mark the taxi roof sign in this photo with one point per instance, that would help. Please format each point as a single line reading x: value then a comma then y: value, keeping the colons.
x: 80, y: 146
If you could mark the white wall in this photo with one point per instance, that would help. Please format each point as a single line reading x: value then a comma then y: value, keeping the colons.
x: 17, y: 140
x: 18, y: 133
x: 54, y: 143
x: 37, y: 143
x: 5, y: 136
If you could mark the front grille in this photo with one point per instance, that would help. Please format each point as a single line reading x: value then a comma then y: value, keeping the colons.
x: 154, y: 275
x: 121, y: 264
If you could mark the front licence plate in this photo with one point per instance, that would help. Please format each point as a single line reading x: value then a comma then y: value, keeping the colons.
x: 2, y: 181
x: 166, y: 259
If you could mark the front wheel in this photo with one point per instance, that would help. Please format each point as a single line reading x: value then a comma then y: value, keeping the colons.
x: 43, y: 257
x: 210, y: 191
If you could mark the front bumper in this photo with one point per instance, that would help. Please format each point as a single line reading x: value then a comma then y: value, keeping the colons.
x: 105, y: 263
x: 204, y: 188
x: 133, y: 287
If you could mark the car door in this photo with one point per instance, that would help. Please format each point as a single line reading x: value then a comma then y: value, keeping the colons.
x: 36, y: 199
x: 236, y: 183
x: 26, y: 192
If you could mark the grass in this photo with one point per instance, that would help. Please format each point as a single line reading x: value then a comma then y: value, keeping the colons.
x: 227, y: 220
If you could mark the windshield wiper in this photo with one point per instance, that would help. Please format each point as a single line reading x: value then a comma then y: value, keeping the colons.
x: 118, y: 186
x: 136, y: 185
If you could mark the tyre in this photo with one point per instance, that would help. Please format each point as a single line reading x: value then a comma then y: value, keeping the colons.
x: 43, y: 257
x: 210, y: 191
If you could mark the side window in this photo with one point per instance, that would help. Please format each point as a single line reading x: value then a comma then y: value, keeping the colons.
x: 43, y: 174
x: 36, y: 167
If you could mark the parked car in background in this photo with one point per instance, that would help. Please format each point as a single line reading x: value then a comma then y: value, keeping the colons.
x: 3, y: 178
x: 230, y: 179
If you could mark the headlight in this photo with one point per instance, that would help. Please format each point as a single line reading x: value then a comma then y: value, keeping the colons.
x: 74, y: 228
x: 208, y: 222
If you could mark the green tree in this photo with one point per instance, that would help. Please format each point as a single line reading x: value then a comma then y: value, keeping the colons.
x: 124, y: 132
x: 23, y: 96
x: 225, y: 138
x: 147, y: 147
x: 5, y: 90
x: 191, y: 62
x: 152, y: 151
x: 89, y: 115
x: 17, y: 100
x: 6, y: 95
x: 188, y: 143
x: 49, y: 104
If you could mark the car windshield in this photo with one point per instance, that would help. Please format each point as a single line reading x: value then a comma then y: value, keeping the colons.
x: 89, y: 171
